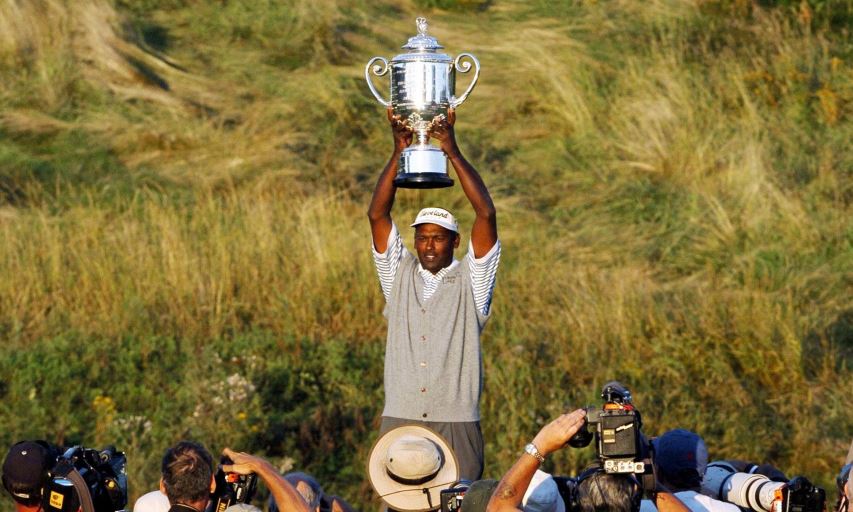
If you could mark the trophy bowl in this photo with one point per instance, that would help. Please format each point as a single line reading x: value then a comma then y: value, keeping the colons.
x: 423, y: 86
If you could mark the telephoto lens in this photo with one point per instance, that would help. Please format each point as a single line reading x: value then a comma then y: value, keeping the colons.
x: 755, y: 492
x: 759, y: 493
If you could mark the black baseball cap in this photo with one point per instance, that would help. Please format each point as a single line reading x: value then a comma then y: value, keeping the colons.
x: 478, y: 495
x: 25, y: 468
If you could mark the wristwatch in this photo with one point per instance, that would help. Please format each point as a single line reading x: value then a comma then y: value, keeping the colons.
x: 534, y: 452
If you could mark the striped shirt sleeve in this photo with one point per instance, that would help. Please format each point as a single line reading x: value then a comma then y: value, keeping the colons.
x: 483, y: 273
x: 388, y: 262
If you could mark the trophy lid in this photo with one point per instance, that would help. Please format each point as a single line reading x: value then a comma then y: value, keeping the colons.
x: 422, y: 41
x: 422, y: 47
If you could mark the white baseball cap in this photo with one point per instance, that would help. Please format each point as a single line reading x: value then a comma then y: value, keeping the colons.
x: 438, y: 216
x: 542, y: 495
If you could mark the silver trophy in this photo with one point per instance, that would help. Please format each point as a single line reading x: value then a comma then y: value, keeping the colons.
x: 423, y: 86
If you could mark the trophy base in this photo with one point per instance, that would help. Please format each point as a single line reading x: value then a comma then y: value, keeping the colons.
x: 423, y: 180
x: 423, y: 166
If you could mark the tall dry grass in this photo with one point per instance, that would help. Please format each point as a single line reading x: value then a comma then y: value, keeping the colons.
x: 254, y: 258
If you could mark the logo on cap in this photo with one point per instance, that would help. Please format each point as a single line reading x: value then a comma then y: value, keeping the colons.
x: 437, y: 216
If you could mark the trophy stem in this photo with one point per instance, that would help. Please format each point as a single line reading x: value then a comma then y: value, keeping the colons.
x: 423, y: 137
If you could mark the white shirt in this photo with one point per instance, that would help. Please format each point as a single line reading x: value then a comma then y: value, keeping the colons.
x: 154, y: 501
x: 483, y: 270
x: 695, y: 502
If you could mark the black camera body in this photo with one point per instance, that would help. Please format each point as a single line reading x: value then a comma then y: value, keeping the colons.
x: 93, y: 480
x: 616, y: 429
x: 802, y: 496
x: 231, y: 488
x: 451, y: 498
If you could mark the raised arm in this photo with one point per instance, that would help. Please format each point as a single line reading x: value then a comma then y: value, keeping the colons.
x: 379, y: 212
x: 484, y: 233
x: 666, y: 501
x: 286, y: 497
x: 552, y: 437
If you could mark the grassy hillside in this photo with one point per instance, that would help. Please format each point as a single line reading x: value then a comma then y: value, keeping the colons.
x: 183, y: 189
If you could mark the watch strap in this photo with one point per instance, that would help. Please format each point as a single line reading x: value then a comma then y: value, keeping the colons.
x: 534, y: 452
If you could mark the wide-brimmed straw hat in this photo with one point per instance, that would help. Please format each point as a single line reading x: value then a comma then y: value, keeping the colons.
x: 409, y: 466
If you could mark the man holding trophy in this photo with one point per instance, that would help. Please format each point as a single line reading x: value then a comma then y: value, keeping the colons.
x: 436, y: 306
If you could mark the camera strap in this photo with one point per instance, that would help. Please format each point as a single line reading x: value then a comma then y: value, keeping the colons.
x: 82, y: 490
x: 68, y: 471
x: 428, y: 497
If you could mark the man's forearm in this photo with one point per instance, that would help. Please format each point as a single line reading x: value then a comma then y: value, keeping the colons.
x: 472, y: 184
x: 383, y: 194
x: 379, y: 211
x: 286, y: 497
x: 484, y: 232
x: 510, y: 491
x: 668, y: 502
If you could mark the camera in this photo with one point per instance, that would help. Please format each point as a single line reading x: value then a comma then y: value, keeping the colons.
x: 451, y: 498
x: 616, y: 430
x: 231, y: 488
x: 87, y: 479
x: 759, y: 493
x: 800, y: 495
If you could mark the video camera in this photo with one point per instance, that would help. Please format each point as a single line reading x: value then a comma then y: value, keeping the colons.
x: 451, y: 498
x: 87, y: 479
x: 231, y: 488
x: 616, y: 430
x: 759, y: 493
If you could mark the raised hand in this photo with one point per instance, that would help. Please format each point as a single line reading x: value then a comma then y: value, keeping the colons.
x: 441, y: 129
x: 243, y: 463
x: 402, y: 132
x: 554, y: 435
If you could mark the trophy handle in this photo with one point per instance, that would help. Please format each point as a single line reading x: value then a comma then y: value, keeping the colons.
x: 378, y: 70
x: 464, y: 67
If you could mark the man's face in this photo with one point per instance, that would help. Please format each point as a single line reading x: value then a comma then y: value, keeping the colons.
x: 434, y: 245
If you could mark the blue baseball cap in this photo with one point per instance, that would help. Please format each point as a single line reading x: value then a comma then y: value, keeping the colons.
x: 681, y: 457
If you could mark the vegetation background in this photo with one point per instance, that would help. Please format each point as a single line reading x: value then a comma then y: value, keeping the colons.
x: 185, y: 250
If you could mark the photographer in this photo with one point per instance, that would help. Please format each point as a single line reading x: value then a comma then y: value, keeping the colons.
x: 154, y: 501
x: 286, y: 497
x: 681, y: 458
x: 187, y: 477
x: 188, y: 480
x: 312, y: 492
x: 25, y: 472
x: 596, y: 490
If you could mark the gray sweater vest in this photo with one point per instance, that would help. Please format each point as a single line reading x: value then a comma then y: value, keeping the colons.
x: 433, y: 365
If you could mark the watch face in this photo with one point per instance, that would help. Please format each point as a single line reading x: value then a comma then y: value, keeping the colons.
x: 532, y: 450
